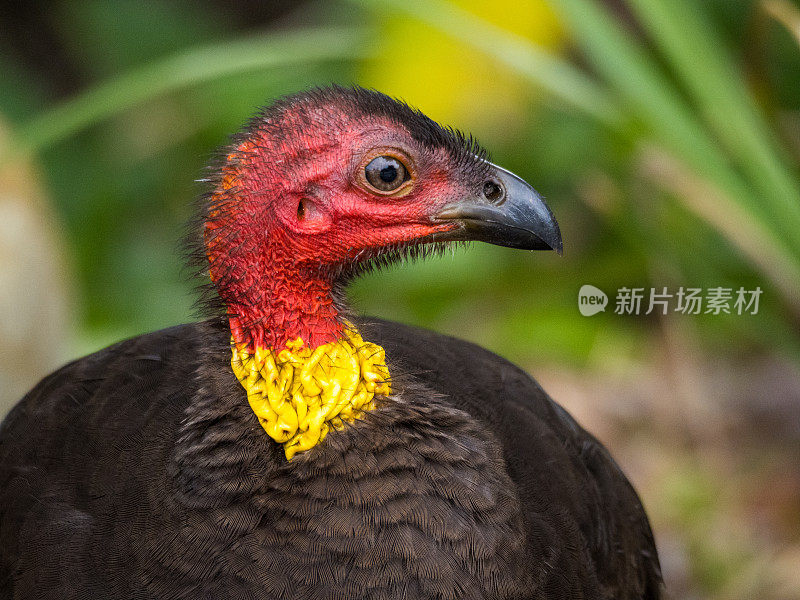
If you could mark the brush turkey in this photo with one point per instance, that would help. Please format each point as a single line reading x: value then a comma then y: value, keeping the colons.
x: 285, y: 448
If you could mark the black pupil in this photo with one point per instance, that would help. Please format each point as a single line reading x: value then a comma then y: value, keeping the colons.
x: 388, y: 173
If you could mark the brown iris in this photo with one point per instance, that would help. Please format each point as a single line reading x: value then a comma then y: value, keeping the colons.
x: 386, y: 173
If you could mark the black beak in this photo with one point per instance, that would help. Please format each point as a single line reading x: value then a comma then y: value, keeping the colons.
x: 506, y: 212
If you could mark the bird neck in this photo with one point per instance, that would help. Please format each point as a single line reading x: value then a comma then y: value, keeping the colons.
x: 305, y: 370
x: 283, y: 305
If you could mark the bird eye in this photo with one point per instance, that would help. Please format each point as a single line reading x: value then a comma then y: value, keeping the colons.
x: 386, y: 173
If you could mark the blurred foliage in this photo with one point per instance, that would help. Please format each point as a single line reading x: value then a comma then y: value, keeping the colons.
x: 629, y: 140
x: 665, y: 134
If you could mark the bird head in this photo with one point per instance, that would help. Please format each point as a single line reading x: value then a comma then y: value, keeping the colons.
x: 326, y: 183
x: 320, y: 186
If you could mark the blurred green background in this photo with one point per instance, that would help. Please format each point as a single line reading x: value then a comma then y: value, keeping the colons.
x: 664, y: 133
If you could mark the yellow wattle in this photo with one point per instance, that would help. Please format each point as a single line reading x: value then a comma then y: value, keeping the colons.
x: 299, y: 393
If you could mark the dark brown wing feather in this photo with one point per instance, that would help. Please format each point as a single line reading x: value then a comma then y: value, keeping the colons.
x: 583, y: 517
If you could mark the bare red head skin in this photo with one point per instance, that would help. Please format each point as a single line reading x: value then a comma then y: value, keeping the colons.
x: 293, y: 212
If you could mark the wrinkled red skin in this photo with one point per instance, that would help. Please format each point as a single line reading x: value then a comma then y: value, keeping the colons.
x: 274, y: 266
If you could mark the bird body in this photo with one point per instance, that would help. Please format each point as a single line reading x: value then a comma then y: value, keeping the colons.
x: 146, y: 471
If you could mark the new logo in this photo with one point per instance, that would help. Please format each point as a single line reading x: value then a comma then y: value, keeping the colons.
x: 591, y: 300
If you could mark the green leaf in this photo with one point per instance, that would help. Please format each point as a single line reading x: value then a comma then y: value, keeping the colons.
x: 698, y: 56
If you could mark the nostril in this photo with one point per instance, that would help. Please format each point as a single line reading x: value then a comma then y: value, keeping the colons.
x: 493, y: 192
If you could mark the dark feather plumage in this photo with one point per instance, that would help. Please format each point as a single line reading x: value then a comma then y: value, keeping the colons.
x: 141, y: 472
